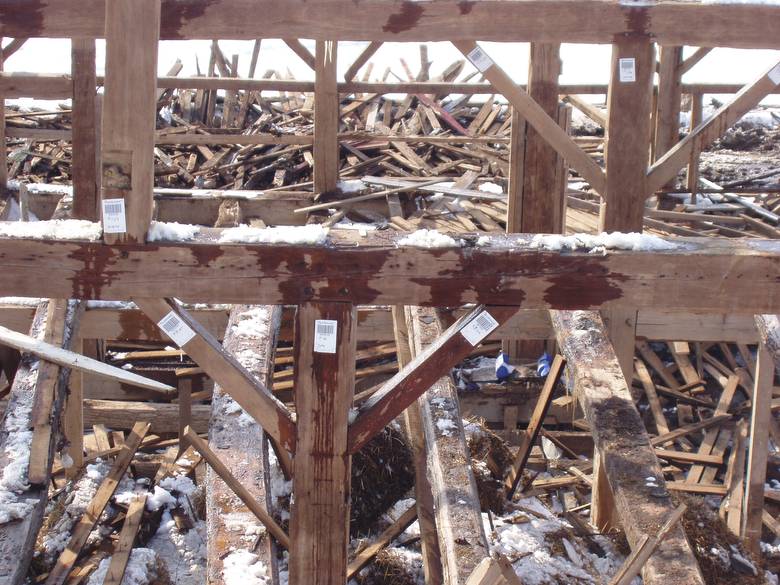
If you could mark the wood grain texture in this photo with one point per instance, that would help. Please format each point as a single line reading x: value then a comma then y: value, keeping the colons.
x: 576, y: 21
x: 324, y: 388
x: 623, y: 445
x: 130, y: 111
x: 326, y: 117
x: 85, y: 137
x: 378, y: 271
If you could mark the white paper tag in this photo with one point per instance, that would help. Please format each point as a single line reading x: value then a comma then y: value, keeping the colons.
x: 627, y: 70
x: 480, y: 59
x: 325, y: 336
x: 774, y: 74
x: 479, y: 328
x: 114, y: 216
x: 176, y: 329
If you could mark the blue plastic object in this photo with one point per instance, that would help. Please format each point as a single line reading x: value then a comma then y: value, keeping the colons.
x: 503, y: 368
x: 543, y: 364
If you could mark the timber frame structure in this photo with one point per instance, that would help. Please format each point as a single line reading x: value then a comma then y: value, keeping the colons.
x: 721, y: 289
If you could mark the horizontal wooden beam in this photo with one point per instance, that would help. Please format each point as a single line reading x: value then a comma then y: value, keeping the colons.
x: 700, y: 274
x: 575, y: 21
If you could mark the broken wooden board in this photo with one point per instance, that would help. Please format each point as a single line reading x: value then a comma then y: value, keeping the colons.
x: 24, y: 504
x: 641, y: 499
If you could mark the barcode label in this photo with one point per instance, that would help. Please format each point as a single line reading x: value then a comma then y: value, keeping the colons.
x: 325, y: 336
x: 627, y: 70
x: 176, y: 329
x: 114, y: 216
x: 479, y: 328
x: 774, y: 74
x: 480, y: 59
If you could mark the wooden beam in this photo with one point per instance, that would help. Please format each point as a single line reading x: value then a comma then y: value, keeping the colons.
x: 242, y: 447
x: 299, y: 49
x: 362, y: 59
x: 87, y: 522
x: 760, y: 416
x: 163, y: 417
x: 583, y: 21
x: 628, y: 459
x: 413, y: 426
x: 667, y: 118
x: 326, y: 118
x: 462, y: 539
x: 72, y: 360
x: 430, y: 364
x: 535, y: 115
x: 225, y: 370
x: 365, y: 556
x: 666, y: 167
x: 693, y: 59
x: 124, y: 546
x: 628, y: 134
x: 85, y: 136
x: 324, y: 387
x: 24, y: 507
x: 129, y: 117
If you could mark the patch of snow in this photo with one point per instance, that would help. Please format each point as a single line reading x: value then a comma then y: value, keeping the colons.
x: 242, y: 567
x: 298, y: 235
x: 24, y: 301
x: 184, y: 553
x: 171, y: 231
x: 426, y: 238
x: 351, y: 187
x: 604, y: 241
x: 54, y: 229
x: 445, y: 426
x: 141, y: 568
x: 491, y: 188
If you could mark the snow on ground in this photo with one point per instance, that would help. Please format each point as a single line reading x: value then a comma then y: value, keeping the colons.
x: 299, y: 235
x: 425, y: 238
x: 141, y: 568
x: 242, y: 567
x: 171, y: 231
x: 55, y: 229
x: 599, y: 243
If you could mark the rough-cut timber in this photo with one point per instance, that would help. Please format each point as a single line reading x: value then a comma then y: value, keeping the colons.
x: 239, y: 442
x: 430, y: 363
x: 627, y: 457
x: 17, y: 538
x: 506, y: 271
x: 462, y: 539
x: 324, y: 388
x: 577, y: 21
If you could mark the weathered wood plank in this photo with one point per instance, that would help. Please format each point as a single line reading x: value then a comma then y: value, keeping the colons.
x: 507, y: 270
x: 23, y: 512
x: 85, y: 154
x: 238, y: 442
x: 324, y: 388
x: 583, y: 21
x: 628, y: 459
x: 326, y: 117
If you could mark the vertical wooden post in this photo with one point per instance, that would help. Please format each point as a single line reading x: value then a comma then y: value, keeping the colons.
x: 535, y: 197
x: 184, y: 386
x: 324, y: 389
x: 73, y: 417
x: 761, y: 413
x: 129, y: 114
x: 697, y: 114
x: 667, y: 119
x: 429, y: 539
x: 84, y: 165
x: 326, y: 118
x: 4, y: 149
x: 627, y: 156
x: 628, y: 133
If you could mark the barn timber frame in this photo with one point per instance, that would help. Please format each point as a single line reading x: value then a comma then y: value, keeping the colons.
x: 524, y: 288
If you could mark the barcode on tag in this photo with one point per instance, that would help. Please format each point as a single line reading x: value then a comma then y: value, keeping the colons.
x: 480, y: 59
x: 774, y: 74
x: 627, y: 70
x: 479, y: 327
x: 325, y: 336
x: 114, y: 216
x: 176, y: 329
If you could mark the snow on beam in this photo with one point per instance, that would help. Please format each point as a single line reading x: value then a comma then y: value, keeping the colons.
x: 240, y: 443
x: 751, y: 25
x: 462, y: 540
x: 295, y: 265
x: 642, y: 502
x: 21, y: 504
